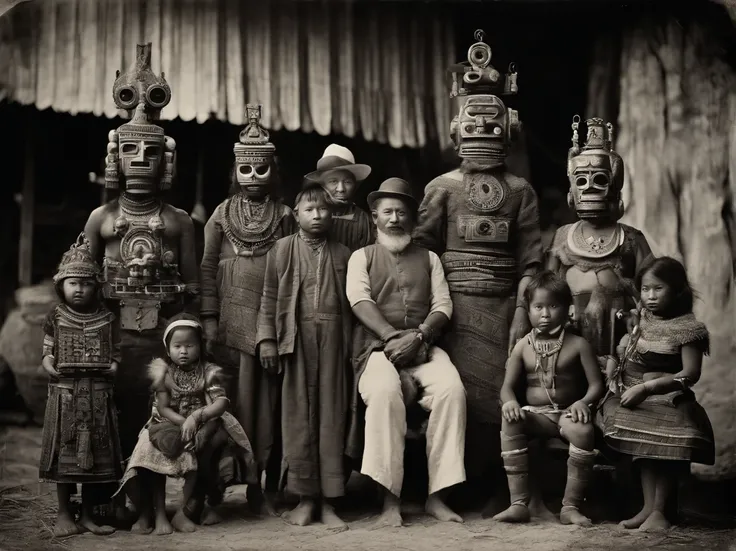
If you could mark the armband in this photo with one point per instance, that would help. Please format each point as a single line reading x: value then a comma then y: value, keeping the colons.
x: 685, y: 382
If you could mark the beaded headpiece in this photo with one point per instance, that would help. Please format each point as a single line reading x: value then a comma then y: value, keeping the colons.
x: 254, y: 152
x: 77, y: 261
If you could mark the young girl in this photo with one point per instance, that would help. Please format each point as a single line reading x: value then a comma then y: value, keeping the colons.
x: 186, y: 435
x: 81, y: 354
x: 651, y: 413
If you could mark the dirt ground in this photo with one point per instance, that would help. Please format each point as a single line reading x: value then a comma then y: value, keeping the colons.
x: 27, y: 511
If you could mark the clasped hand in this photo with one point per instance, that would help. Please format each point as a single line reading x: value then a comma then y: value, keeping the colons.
x: 189, y: 428
x: 402, y: 350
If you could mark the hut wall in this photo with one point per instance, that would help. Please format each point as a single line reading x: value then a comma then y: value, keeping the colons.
x: 676, y: 114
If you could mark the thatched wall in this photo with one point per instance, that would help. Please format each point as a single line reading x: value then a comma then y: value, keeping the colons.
x: 677, y: 113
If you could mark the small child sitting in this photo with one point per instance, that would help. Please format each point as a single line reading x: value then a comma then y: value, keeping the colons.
x: 562, y: 381
x: 185, y: 437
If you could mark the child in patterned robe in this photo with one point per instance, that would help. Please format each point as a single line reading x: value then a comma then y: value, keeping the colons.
x: 186, y: 436
x: 650, y: 413
x: 80, y: 353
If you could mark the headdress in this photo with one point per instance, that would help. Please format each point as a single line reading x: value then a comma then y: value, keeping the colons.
x: 139, y: 146
x: 595, y: 171
x: 254, y: 152
x: 337, y: 157
x: 484, y: 126
x: 77, y: 261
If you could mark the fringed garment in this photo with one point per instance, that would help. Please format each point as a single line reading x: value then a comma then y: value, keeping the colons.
x: 600, y: 274
x: 669, y: 426
x: 80, y: 433
x: 188, y: 392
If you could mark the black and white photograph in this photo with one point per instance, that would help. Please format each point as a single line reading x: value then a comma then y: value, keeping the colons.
x: 367, y: 274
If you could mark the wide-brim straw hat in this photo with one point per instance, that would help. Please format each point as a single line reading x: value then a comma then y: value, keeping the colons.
x: 395, y: 188
x: 337, y: 157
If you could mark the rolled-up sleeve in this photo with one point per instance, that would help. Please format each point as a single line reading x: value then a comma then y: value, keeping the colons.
x: 358, y: 285
x: 440, y: 300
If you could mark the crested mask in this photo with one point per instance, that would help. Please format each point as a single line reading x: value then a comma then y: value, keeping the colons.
x: 596, y: 173
x: 254, y: 153
x: 484, y: 127
x: 138, y: 148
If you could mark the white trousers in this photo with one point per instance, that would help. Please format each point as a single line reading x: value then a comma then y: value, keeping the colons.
x: 385, y: 421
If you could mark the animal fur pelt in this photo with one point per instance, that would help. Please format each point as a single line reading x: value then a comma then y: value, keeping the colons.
x: 157, y: 370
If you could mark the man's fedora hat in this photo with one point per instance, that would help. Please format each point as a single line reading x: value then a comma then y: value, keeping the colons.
x: 395, y: 188
x: 337, y: 157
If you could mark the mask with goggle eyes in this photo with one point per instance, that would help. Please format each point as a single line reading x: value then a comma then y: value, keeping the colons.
x: 595, y: 172
x: 253, y: 153
x: 253, y: 173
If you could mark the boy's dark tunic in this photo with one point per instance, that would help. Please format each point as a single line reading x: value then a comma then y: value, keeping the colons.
x: 352, y: 227
x: 305, y: 310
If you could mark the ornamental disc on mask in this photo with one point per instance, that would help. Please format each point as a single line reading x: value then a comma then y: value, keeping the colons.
x: 484, y: 127
x: 596, y: 173
x: 254, y: 155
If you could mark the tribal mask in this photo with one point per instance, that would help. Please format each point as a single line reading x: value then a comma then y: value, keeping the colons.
x: 485, y: 127
x: 254, y: 154
x: 596, y: 173
x: 139, y: 149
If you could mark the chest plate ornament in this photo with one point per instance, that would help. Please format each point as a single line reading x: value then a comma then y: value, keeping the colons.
x: 486, y: 196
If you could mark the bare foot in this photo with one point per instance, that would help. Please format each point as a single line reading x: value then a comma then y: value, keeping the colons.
x: 65, y: 526
x: 516, y: 513
x: 302, y: 514
x: 497, y: 504
x: 389, y: 518
x: 270, y: 502
x: 656, y: 522
x: 87, y: 524
x: 210, y: 517
x: 142, y: 525
x: 637, y: 520
x: 331, y: 520
x: 571, y: 515
x: 181, y: 522
x: 163, y: 526
x: 437, y: 508
x: 538, y: 510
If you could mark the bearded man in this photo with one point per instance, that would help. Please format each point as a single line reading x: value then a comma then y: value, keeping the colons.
x: 338, y: 173
x: 485, y: 223
x: 399, y: 294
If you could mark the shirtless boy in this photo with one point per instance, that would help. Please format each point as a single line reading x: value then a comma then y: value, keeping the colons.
x: 562, y: 380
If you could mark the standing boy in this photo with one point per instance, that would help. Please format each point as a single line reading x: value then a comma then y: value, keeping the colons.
x: 562, y: 380
x: 304, y: 331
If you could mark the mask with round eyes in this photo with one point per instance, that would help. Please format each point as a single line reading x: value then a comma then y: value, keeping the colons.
x: 253, y: 174
x: 595, y: 172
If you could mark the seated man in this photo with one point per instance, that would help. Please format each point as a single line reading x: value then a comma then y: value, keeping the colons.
x: 398, y: 292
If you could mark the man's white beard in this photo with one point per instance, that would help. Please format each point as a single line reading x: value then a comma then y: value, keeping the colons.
x: 395, y: 243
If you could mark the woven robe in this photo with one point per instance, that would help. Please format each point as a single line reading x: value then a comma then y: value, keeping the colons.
x: 305, y: 311
x: 233, y: 265
x: 487, y: 234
